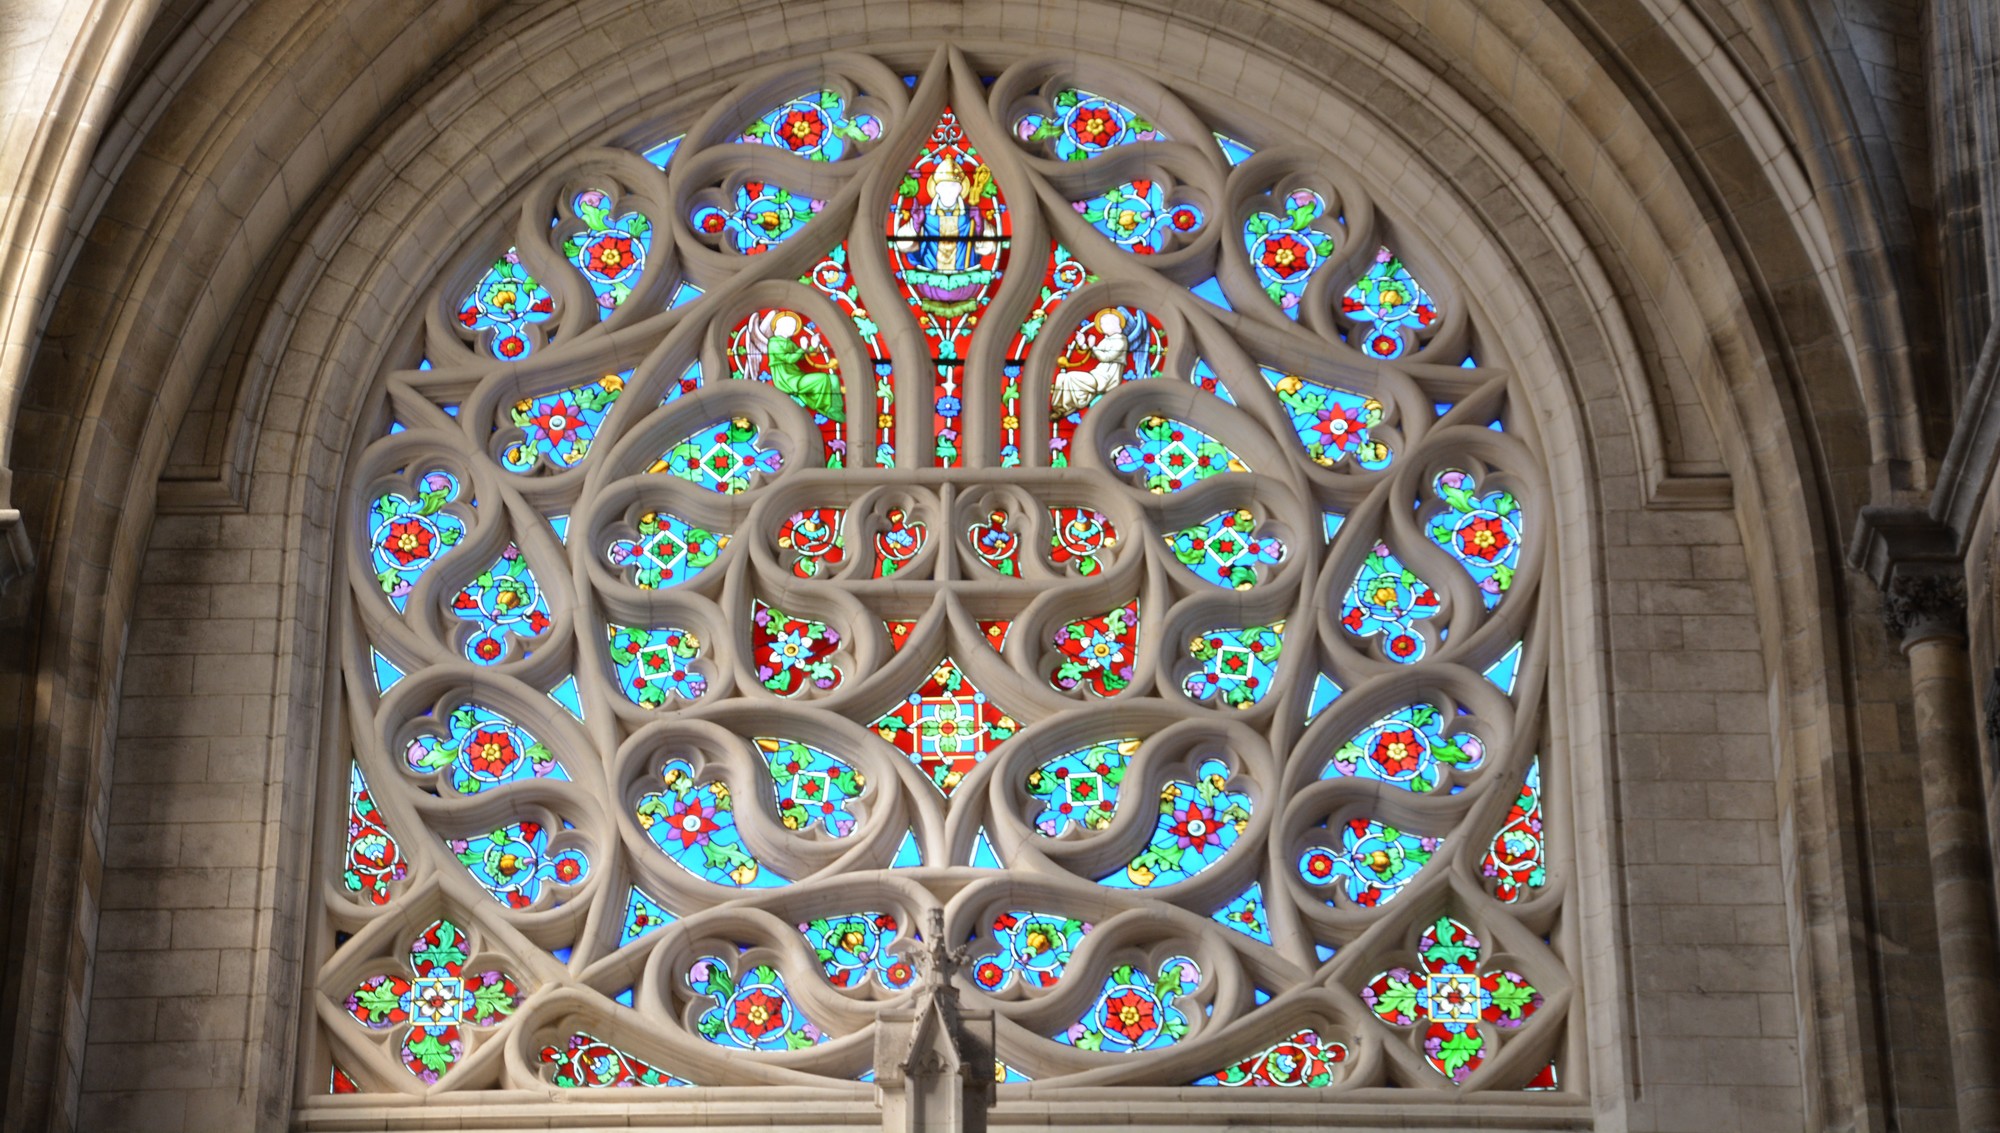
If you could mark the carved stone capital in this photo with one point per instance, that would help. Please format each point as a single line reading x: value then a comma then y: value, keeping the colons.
x: 1992, y: 707
x: 1915, y: 561
x: 1919, y: 606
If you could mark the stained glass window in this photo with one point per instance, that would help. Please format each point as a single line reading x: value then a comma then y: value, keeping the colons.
x: 1018, y: 502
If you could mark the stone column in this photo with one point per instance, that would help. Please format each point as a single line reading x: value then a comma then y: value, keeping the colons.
x: 1926, y: 612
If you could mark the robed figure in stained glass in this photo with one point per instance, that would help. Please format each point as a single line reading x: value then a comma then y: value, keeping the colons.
x: 945, y: 237
x: 1093, y: 364
x: 798, y: 361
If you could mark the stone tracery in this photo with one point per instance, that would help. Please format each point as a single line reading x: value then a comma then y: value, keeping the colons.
x: 773, y: 726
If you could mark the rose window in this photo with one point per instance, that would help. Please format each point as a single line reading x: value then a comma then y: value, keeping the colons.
x: 1002, y: 496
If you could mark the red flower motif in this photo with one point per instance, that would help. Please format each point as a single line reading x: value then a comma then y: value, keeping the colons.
x: 802, y: 129
x: 692, y: 824
x: 1398, y: 752
x: 1340, y: 428
x: 409, y: 540
x: 1319, y: 864
x: 1402, y: 645
x: 558, y: 419
x: 488, y: 649
x: 1195, y: 827
x: 611, y: 255
x: 512, y: 346
x: 1094, y: 128
x: 1129, y: 1014
x: 1484, y: 539
x: 759, y: 1013
x: 1286, y: 256
x: 990, y: 974
x: 492, y: 752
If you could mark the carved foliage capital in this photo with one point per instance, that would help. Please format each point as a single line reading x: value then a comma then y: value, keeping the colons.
x: 1920, y: 606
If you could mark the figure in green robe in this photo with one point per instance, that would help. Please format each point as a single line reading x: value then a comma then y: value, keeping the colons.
x: 796, y: 375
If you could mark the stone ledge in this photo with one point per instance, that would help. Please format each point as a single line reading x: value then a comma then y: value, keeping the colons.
x: 1186, y: 1110
x: 17, y: 555
x: 1681, y: 492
